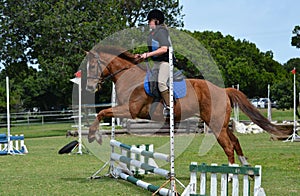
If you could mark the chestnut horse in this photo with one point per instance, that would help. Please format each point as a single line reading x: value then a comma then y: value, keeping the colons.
x: 204, y: 99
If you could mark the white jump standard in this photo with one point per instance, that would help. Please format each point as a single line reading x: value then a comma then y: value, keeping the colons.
x: 12, y: 144
x: 117, y: 171
x: 7, y: 141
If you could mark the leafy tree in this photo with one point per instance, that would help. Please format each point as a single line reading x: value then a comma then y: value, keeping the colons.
x: 294, y: 62
x: 296, y: 39
x: 244, y: 74
x: 14, y: 92
x: 283, y: 93
x: 136, y: 11
x: 53, y: 35
x: 242, y: 63
x: 283, y: 90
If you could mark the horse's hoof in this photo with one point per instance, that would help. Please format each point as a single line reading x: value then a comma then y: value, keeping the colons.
x: 99, y: 140
x: 91, y: 139
x: 91, y: 135
x: 98, y: 137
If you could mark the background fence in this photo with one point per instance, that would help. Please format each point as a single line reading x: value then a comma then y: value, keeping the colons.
x: 57, y: 116
x: 42, y: 117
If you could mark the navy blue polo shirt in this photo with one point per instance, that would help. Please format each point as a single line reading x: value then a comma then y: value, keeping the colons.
x: 157, y: 38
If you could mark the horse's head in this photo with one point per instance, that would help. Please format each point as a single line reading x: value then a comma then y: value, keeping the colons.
x: 110, y: 65
x: 97, y: 71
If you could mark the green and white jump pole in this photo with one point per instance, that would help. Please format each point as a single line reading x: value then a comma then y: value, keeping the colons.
x: 145, y: 185
x: 149, y: 154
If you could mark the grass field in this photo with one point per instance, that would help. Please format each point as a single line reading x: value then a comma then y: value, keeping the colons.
x: 44, y: 172
x: 277, y: 115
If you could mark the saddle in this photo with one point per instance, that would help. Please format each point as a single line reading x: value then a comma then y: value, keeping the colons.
x: 151, y: 84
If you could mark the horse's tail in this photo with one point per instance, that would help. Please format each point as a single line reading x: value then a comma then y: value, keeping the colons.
x: 237, y: 97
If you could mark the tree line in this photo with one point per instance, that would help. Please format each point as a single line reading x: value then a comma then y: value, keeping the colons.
x: 53, y: 36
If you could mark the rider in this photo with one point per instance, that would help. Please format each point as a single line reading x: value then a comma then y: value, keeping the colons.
x: 158, y: 49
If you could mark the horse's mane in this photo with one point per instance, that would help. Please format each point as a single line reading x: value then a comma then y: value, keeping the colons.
x: 119, y: 52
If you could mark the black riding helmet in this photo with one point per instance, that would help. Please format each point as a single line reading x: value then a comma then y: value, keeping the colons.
x: 156, y: 14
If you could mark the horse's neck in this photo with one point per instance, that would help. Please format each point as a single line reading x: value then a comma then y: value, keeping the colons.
x: 127, y: 81
x: 119, y: 67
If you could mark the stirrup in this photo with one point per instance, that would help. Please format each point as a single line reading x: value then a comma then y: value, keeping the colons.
x: 166, y: 112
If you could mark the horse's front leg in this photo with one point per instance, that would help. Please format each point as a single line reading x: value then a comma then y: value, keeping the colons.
x: 119, y: 111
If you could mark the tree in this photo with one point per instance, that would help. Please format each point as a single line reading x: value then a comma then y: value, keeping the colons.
x: 282, y: 90
x: 290, y: 64
x: 14, y: 92
x: 53, y: 35
x: 296, y: 39
x: 242, y: 63
x: 136, y: 11
x: 283, y: 93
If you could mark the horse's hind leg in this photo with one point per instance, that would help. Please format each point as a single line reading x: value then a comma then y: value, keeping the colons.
x: 237, y: 148
x: 228, y: 147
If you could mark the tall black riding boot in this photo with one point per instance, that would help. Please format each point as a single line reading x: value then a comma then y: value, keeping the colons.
x: 166, y: 97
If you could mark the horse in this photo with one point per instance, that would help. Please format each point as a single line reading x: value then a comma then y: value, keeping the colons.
x: 211, y: 103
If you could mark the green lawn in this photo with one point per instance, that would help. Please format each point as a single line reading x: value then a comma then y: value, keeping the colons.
x: 277, y: 115
x: 36, y: 131
x: 44, y: 172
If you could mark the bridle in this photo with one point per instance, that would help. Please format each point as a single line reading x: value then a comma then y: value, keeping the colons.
x: 103, y: 78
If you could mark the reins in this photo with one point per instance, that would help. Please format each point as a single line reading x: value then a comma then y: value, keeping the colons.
x: 113, y: 74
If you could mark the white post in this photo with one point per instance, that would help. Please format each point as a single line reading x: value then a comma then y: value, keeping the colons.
x: 16, y: 146
x: 113, y: 104
x: 257, y: 180
x: 294, y: 136
x: 193, y: 180
x: 213, y: 183
x: 79, y: 119
x: 235, y: 183
x: 295, y: 121
x: 203, y: 183
x: 77, y: 80
x: 172, y: 150
x: 246, y: 185
x: 224, y: 184
x: 237, y: 106
x: 269, y: 105
x: 113, y: 126
x: 9, y: 147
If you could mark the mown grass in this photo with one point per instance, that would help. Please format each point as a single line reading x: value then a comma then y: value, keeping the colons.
x: 44, y: 172
x: 47, y: 130
x: 277, y: 115
x: 37, y: 131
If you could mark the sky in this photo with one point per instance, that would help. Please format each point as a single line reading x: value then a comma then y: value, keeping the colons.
x: 266, y: 23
